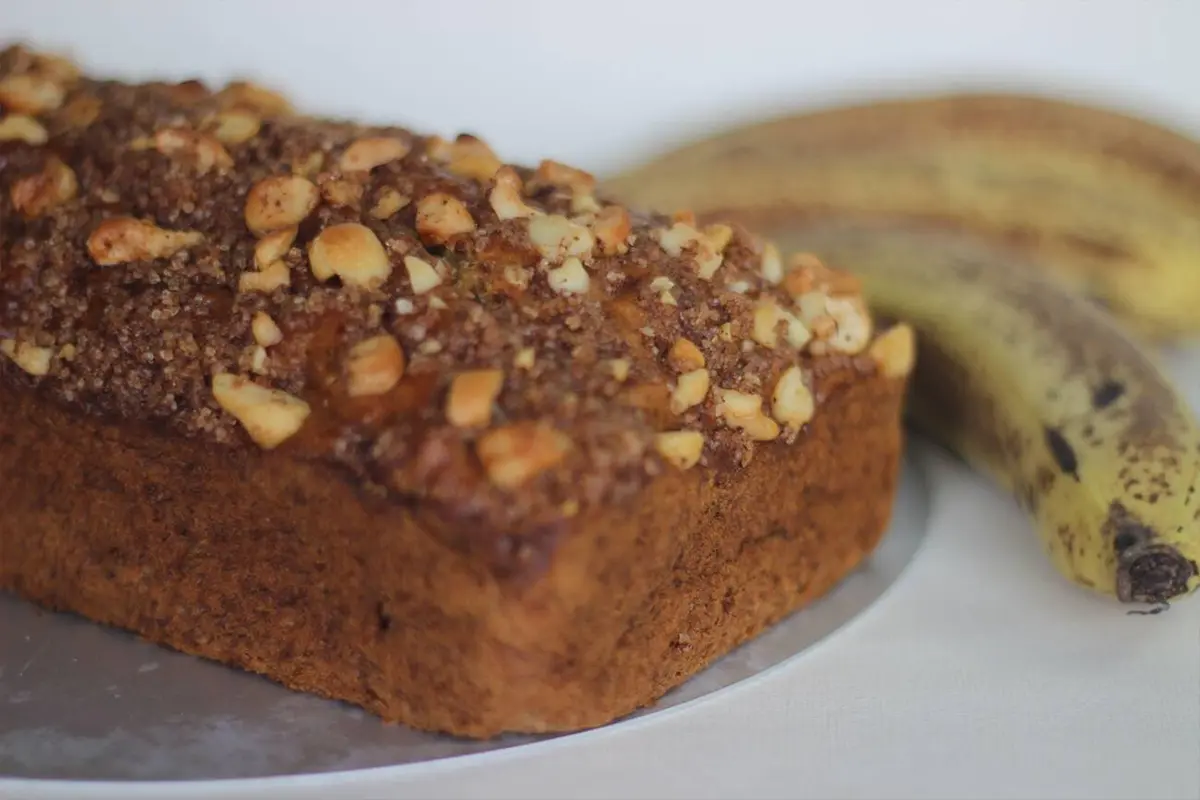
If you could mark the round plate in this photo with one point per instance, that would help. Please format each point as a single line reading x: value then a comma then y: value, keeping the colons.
x: 83, y: 702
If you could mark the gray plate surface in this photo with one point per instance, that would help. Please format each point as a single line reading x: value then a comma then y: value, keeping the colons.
x: 81, y: 702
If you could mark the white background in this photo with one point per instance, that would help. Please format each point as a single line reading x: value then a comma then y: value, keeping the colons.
x: 981, y: 674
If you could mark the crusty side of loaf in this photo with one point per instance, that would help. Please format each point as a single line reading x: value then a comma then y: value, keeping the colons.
x: 284, y: 568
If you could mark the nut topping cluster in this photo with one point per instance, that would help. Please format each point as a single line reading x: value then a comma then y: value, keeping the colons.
x: 497, y: 339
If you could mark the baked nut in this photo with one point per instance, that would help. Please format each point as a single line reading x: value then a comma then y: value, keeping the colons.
x: 265, y: 331
x: 744, y: 412
x: 719, y: 236
x: 853, y: 324
x: 690, y: 390
x: 273, y: 247
x: 280, y: 201
x: 388, y: 203
x: 271, y: 277
x: 124, y: 239
x: 270, y: 416
x: 352, y: 252
x: 505, y: 196
x: 201, y: 150
x: 554, y: 173
x: 80, y: 111
x: 612, y: 227
x: 792, y: 403
x: 525, y: 358
x: 680, y: 449
x: 22, y: 128
x: 619, y: 367
x: 469, y: 401
x: 570, y: 278
x: 421, y: 275
x: 30, y: 93
x: 685, y: 356
x: 764, y: 329
x: 771, y: 266
x: 514, y: 454
x: 35, y: 195
x: 557, y: 237
x: 467, y: 156
x: 235, y: 127
x: 895, y: 351
x: 374, y: 366
x: 32, y: 359
x: 341, y: 192
x: 245, y: 96
x: 680, y: 236
x: 364, y: 155
x: 441, y: 217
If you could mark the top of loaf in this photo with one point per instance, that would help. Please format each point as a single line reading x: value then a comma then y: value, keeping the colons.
x: 498, y: 342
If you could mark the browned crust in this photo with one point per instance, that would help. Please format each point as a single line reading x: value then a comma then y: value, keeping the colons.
x: 284, y: 568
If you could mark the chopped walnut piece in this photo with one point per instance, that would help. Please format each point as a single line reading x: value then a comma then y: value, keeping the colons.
x: 274, y: 276
x: 894, y: 351
x: 270, y: 416
x: 469, y: 401
x: 265, y: 331
x: 570, y: 278
x: 280, y: 201
x: 808, y: 273
x: 32, y: 359
x: 682, y: 236
x: 663, y: 285
x: 245, y: 96
x: 342, y: 192
x: 744, y: 411
x: 421, y: 274
x: 619, y: 367
x: 388, y: 203
x: 273, y: 247
x: 364, y: 155
x: 853, y: 324
x: 719, y: 236
x: 525, y: 358
x: 441, y: 217
x: 554, y: 173
x: 792, y: 403
x: 30, y: 93
x: 55, y: 67
x: 514, y: 454
x: 771, y: 266
x: 685, y: 356
x: 766, y: 322
x: 612, y: 227
x: 557, y: 237
x: 505, y: 196
x: 201, y: 150
x: 22, y: 128
x: 80, y: 111
x: 258, y: 360
x: 37, y: 194
x: 467, y: 156
x: 308, y: 165
x: 68, y: 352
x: 374, y: 366
x: 124, y: 239
x: 680, y: 449
x: 235, y: 127
x: 352, y: 252
x: 690, y: 390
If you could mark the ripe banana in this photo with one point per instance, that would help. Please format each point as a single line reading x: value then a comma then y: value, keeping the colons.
x: 1109, y: 203
x: 1039, y: 389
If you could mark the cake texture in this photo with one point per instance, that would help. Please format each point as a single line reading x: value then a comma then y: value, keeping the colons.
x: 385, y: 419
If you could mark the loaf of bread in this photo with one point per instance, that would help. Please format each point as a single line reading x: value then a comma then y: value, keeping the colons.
x: 384, y: 419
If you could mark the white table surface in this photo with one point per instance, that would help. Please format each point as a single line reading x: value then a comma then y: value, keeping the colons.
x: 981, y: 673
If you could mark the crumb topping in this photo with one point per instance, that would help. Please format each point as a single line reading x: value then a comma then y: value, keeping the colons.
x: 496, y: 341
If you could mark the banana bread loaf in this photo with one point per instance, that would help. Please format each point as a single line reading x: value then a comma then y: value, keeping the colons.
x: 382, y: 418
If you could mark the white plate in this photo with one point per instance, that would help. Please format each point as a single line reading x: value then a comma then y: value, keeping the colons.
x: 82, y: 702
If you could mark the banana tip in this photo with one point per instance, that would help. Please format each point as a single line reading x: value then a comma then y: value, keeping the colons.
x: 1154, y: 574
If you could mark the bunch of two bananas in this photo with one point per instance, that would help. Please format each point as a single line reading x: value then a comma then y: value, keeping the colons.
x: 1038, y: 248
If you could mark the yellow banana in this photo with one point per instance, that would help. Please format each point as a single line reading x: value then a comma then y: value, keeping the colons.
x: 1109, y: 202
x: 1039, y: 389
